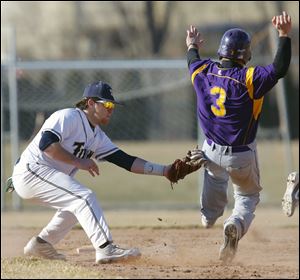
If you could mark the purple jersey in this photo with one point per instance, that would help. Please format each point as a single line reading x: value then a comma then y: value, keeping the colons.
x: 229, y: 100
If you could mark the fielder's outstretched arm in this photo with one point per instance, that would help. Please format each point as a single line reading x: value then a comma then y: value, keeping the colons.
x: 137, y: 165
x: 173, y: 172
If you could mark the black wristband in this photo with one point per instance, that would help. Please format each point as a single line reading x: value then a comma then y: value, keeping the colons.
x: 192, y: 55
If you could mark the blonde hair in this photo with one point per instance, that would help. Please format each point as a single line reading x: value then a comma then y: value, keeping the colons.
x: 82, y: 104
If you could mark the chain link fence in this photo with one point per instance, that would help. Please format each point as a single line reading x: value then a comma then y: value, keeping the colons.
x: 159, y: 99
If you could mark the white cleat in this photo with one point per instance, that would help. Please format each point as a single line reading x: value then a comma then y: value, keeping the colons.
x: 291, y: 195
x: 43, y: 250
x: 229, y: 247
x: 206, y: 223
x: 114, y: 253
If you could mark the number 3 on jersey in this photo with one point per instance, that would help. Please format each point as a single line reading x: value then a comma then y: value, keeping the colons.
x: 219, y: 111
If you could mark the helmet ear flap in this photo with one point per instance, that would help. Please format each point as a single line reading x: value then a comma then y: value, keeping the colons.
x: 235, y: 44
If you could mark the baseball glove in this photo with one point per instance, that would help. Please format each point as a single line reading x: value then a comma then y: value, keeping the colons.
x: 180, y: 168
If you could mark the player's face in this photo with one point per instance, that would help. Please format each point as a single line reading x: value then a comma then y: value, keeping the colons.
x: 99, y: 113
x: 102, y: 113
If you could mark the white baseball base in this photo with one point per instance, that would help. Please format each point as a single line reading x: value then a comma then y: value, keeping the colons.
x: 85, y: 249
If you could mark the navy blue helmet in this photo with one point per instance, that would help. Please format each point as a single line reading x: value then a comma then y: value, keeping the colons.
x: 235, y: 44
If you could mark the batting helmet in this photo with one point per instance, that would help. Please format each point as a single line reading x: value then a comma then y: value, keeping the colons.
x: 235, y: 44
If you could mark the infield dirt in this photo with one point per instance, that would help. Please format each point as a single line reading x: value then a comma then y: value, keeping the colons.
x: 173, y: 246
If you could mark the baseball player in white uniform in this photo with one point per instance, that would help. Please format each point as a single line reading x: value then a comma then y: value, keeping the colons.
x: 45, y: 173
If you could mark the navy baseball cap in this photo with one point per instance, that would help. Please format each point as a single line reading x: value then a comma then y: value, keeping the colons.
x: 100, y: 90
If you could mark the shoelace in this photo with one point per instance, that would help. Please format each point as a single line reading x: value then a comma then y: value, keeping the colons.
x: 117, y: 249
x: 48, y: 250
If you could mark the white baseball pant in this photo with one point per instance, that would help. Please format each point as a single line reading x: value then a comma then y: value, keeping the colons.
x: 242, y: 168
x: 74, y: 202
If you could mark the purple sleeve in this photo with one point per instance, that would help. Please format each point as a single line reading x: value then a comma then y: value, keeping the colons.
x: 195, y: 65
x: 264, y: 79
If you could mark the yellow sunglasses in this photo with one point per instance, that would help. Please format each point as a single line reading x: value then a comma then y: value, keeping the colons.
x: 107, y: 104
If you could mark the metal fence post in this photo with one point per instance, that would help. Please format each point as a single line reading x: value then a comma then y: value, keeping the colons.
x: 13, y: 108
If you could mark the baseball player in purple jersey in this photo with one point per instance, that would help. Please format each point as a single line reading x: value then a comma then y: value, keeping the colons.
x: 45, y: 173
x: 229, y: 103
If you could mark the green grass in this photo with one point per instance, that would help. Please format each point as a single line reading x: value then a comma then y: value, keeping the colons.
x: 35, y: 268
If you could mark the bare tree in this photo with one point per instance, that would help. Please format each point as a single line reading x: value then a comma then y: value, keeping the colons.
x: 156, y: 28
x: 158, y: 32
